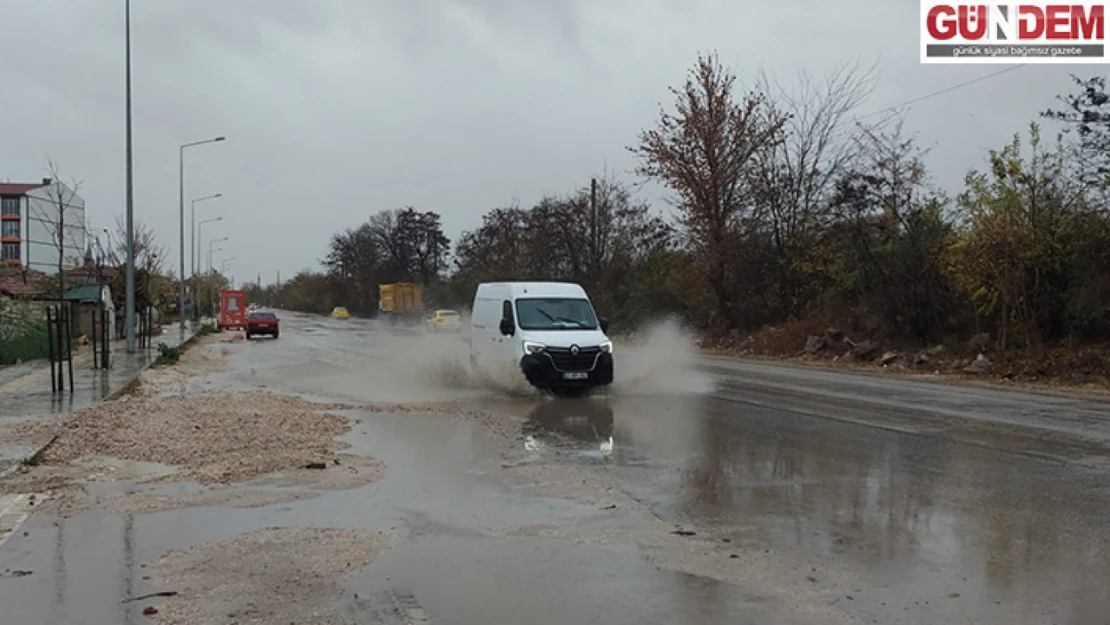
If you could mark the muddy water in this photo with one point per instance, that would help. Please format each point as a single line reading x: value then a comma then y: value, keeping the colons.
x: 796, y: 513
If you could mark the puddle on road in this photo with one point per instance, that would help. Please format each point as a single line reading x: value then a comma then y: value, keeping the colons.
x: 546, y: 582
x: 983, y: 535
x: 900, y: 511
x: 434, y: 485
x: 580, y: 429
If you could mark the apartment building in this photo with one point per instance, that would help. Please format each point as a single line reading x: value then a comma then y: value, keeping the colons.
x: 31, y: 215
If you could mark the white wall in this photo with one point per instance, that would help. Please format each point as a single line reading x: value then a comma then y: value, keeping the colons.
x: 43, y: 210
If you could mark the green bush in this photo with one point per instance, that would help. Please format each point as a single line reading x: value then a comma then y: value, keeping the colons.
x: 32, y: 344
x: 208, y: 328
x: 167, y: 355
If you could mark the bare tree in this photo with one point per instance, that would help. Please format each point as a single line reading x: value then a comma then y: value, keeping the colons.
x: 150, y: 257
x: 149, y: 254
x: 56, y: 208
x: 797, y: 176
x: 411, y: 244
x: 705, y: 152
x: 795, y: 179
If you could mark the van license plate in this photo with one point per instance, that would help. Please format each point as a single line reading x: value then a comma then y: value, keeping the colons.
x: 576, y: 375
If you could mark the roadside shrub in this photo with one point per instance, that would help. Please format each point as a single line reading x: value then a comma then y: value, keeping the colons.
x: 31, y: 344
x: 167, y: 355
x: 22, y: 337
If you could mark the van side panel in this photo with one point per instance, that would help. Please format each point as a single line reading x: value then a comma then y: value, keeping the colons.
x: 484, y: 319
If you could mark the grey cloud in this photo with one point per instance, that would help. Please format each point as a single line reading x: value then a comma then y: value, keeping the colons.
x: 335, y: 109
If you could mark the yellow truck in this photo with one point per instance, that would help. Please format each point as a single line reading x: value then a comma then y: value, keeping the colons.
x: 401, y: 302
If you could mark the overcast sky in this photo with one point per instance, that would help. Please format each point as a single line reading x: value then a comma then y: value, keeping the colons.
x: 336, y: 109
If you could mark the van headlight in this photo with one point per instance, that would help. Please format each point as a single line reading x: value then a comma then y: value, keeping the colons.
x: 533, y: 348
x: 607, y: 347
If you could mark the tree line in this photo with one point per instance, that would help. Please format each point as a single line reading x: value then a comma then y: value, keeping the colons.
x: 787, y: 203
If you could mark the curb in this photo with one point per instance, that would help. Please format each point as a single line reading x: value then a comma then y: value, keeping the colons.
x: 22, y: 462
x: 127, y: 388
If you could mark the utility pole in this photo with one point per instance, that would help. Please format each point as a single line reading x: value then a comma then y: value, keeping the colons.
x: 61, y: 244
x: 594, y: 239
x: 181, y: 220
x: 129, y: 313
x: 194, y: 252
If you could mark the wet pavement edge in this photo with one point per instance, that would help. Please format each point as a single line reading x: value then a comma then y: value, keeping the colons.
x: 19, y: 458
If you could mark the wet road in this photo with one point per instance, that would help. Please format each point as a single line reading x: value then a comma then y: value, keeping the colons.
x: 812, y: 496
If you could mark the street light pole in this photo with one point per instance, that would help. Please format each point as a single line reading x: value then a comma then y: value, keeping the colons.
x: 211, y: 253
x: 210, y: 250
x: 181, y: 219
x: 129, y: 312
x: 200, y: 237
x: 193, y: 260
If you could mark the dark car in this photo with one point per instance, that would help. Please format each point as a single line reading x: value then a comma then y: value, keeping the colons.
x: 262, y: 323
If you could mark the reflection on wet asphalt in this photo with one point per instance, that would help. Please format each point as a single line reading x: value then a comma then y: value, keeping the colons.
x: 907, y: 515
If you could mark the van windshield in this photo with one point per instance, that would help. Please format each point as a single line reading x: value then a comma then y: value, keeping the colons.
x: 555, y: 313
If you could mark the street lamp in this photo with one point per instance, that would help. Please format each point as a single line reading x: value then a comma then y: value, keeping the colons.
x: 200, y: 235
x: 224, y: 264
x: 210, y: 250
x: 196, y: 281
x: 129, y: 311
x: 111, y: 253
x: 194, y: 264
x: 181, y: 218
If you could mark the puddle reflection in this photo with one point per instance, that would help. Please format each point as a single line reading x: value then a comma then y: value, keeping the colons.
x: 578, y: 424
x: 901, y: 507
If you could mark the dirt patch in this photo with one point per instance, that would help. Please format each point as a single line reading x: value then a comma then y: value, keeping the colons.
x: 202, y: 357
x: 821, y: 342
x: 140, y: 490
x: 274, y: 575
x: 217, y: 438
x: 33, y: 432
x: 64, y: 483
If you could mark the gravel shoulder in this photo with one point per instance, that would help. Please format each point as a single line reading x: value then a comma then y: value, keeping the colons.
x: 237, y: 449
x: 274, y: 575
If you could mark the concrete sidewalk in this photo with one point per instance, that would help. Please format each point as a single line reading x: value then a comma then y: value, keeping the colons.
x: 25, y: 389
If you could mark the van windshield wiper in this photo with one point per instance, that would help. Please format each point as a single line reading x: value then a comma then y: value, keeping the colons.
x: 576, y: 322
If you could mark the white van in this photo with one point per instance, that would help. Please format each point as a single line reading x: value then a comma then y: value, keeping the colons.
x: 547, y: 330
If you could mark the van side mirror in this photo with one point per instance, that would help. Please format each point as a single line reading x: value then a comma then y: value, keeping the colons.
x: 603, y: 323
x: 507, y: 328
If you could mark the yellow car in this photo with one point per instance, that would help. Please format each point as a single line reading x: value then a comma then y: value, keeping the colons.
x: 339, y: 313
x: 444, y: 321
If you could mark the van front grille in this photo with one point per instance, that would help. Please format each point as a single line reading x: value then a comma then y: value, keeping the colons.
x: 563, y: 360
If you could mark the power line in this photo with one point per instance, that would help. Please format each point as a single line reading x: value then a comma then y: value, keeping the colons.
x: 949, y: 89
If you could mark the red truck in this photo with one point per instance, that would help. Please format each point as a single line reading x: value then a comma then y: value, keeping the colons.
x: 233, y: 305
x: 262, y: 323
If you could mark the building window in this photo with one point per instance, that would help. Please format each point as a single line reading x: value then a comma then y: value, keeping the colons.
x: 9, y: 229
x: 9, y: 252
x: 9, y: 206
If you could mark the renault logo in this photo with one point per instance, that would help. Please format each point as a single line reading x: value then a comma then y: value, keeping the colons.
x: 573, y: 350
